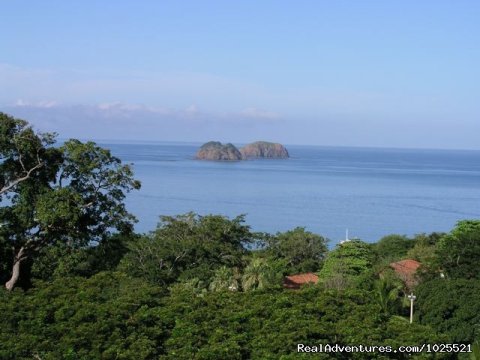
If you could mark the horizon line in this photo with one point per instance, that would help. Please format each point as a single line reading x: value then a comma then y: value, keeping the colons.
x: 196, y: 142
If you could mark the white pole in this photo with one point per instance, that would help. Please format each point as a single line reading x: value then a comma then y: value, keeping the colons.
x: 412, y: 298
x: 411, y: 311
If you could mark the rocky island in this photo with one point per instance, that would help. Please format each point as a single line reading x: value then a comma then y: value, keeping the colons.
x: 214, y: 150
x: 264, y: 149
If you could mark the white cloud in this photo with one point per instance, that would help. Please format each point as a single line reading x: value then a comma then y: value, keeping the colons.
x: 126, y: 110
x: 118, y: 120
x: 193, y: 106
x: 174, y: 89
x: 39, y: 104
x: 255, y: 113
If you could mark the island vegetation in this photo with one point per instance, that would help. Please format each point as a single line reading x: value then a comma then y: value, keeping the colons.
x: 214, y: 150
x: 264, y: 150
x: 81, y: 284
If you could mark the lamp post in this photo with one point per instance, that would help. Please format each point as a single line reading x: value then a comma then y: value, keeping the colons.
x: 412, y: 298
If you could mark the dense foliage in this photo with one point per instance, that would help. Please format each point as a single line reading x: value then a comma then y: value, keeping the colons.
x: 72, y: 194
x: 114, y: 316
x: 349, y: 264
x: 451, y: 306
x: 301, y: 250
x: 106, y: 316
x: 188, y: 246
x: 392, y: 247
x: 458, y: 252
x: 202, y: 287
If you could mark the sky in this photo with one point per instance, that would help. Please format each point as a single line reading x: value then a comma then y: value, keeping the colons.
x: 349, y: 73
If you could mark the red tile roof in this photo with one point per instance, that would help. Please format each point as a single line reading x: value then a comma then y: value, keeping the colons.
x: 407, y: 266
x: 406, y: 270
x: 296, y: 281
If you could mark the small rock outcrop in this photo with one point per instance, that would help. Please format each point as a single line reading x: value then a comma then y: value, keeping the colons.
x: 215, y: 150
x: 264, y: 149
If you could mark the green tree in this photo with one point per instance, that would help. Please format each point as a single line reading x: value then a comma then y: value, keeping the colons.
x: 386, y: 295
x: 71, y: 194
x: 188, y: 246
x: 259, y: 274
x: 349, y: 264
x: 302, y: 250
x: 107, y: 316
x: 450, y: 306
x: 399, y: 332
x: 270, y: 324
x: 458, y: 253
x: 24, y: 155
x: 5, y: 259
x: 425, y: 248
x: 225, y: 279
x: 392, y: 248
x: 60, y: 259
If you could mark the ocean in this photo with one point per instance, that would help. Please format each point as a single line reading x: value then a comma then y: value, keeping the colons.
x: 372, y: 192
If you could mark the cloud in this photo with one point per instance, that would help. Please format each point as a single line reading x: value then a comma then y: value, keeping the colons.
x: 112, y: 88
x: 125, y: 110
x: 198, y: 107
x: 38, y: 104
x: 255, y: 113
x: 118, y: 120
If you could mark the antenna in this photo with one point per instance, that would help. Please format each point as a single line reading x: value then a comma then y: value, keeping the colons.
x: 346, y: 237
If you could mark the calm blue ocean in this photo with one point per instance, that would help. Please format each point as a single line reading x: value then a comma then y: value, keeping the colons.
x: 372, y: 192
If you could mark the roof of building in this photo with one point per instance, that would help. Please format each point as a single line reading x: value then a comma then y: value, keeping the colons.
x: 405, y: 266
x: 296, y: 281
x: 406, y: 269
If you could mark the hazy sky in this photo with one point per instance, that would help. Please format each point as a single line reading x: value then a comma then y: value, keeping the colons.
x: 356, y: 73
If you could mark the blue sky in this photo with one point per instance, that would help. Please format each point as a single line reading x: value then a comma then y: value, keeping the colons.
x: 354, y: 73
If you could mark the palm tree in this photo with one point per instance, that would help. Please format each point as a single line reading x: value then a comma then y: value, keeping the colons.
x: 386, y: 294
x: 257, y: 275
x: 224, y: 279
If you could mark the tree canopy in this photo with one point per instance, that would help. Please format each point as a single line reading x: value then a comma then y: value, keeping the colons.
x: 350, y: 262
x: 190, y: 246
x: 393, y: 247
x: 451, y: 306
x: 459, y: 251
x: 71, y: 193
x: 302, y: 250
